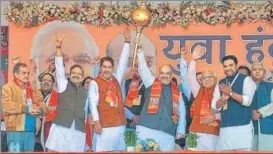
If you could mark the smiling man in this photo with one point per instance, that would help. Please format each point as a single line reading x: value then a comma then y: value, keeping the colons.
x: 67, y: 133
x: 162, y: 117
x: 204, y: 123
x: 106, y: 103
x: 232, y: 98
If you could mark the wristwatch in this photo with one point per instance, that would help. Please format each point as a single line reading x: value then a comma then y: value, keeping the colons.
x: 230, y: 93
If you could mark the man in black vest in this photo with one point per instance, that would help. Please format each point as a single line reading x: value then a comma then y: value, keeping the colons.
x: 232, y: 97
x: 67, y: 133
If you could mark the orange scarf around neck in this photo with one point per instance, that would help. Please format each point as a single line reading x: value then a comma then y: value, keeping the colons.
x: 204, y: 99
x: 111, y: 95
x: 29, y: 91
x: 52, y: 106
x: 132, y: 92
x: 155, y: 99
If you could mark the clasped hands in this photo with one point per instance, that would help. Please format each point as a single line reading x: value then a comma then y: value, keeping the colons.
x: 35, y: 111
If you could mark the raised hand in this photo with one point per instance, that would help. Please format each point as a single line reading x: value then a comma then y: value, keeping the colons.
x: 58, y: 39
x: 127, y: 34
x: 198, y: 52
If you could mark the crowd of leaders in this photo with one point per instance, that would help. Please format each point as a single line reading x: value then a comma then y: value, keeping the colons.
x: 92, y: 114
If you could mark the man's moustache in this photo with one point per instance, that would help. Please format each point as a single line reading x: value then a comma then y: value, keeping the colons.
x: 75, y: 77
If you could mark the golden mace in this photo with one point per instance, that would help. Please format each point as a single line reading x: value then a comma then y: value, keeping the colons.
x: 141, y: 17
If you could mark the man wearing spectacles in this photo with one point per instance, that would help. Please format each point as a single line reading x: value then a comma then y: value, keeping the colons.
x: 205, y: 123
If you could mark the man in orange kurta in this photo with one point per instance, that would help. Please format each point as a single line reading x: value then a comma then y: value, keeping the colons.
x: 205, y: 123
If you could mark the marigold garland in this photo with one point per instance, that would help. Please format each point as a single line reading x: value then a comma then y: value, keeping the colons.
x: 31, y: 14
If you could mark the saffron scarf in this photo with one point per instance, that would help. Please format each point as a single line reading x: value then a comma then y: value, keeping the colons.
x: 29, y: 92
x: 204, y: 99
x: 111, y: 94
x: 132, y: 92
x: 52, y: 106
x: 155, y: 99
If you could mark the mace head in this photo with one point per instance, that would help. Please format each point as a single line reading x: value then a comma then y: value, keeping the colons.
x: 141, y: 16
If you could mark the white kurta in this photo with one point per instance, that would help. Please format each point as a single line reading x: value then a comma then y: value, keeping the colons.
x: 205, y: 142
x: 111, y: 138
x: 236, y: 137
x: 60, y: 138
x: 165, y: 141
x: 264, y: 142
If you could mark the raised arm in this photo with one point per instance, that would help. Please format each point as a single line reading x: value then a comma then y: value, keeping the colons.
x: 144, y: 71
x: 191, y: 76
x: 124, y: 57
x: 59, y: 64
x: 183, y: 74
x: 198, y: 52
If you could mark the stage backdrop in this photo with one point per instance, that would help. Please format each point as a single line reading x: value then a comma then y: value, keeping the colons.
x: 162, y: 45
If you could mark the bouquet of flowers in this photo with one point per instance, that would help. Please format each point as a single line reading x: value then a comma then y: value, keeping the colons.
x: 148, y: 145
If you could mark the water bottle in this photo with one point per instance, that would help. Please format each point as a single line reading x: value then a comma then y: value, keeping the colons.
x: 12, y: 147
x: 17, y: 147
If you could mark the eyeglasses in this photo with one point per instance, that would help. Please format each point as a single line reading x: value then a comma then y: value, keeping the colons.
x: 207, y: 77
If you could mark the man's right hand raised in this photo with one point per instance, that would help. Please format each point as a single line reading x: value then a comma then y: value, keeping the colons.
x: 198, y: 52
x: 58, y: 41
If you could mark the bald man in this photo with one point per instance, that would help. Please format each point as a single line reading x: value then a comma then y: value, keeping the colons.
x: 205, y: 123
x: 262, y: 110
x: 163, y: 115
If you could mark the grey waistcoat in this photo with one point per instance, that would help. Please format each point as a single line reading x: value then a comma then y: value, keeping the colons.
x: 162, y: 120
x: 71, y: 104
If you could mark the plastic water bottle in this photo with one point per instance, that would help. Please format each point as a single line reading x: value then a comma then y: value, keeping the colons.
x: 12, y: 147
x: 17, y: 147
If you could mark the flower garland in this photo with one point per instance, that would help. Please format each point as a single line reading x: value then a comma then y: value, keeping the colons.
x: 31, y: 14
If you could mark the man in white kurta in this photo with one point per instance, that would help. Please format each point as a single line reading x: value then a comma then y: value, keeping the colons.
x: 67, y: 133
x: 262, y: 109
x: 232, y: 98
x: 109, y: 136
x: 205, y: 128
x: 160, y: 126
